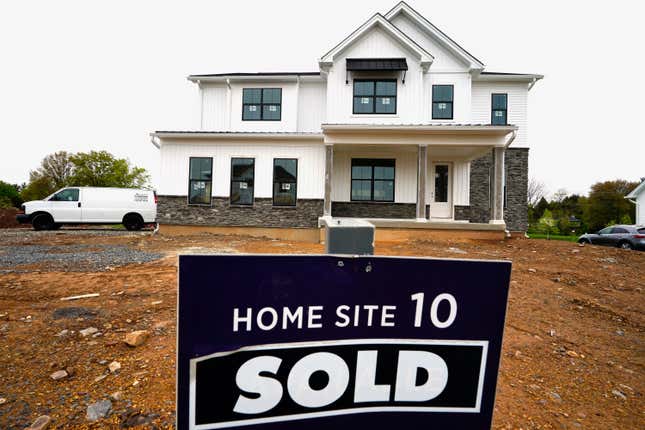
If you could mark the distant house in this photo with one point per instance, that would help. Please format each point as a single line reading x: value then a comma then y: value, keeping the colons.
x: 399, y: 125
x: 637, y: 196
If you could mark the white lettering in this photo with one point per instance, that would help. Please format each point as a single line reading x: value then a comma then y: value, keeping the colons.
x: 435, y: 306
x: 291, y: 317
x: 344, y: 317
x: 298, y: 383
x: 274, y: 318
x: 237, y: 319
x: 314, y: 316
x: 370, y: 312
x: 385, y: 315
x: 365, y: 389
x: 248, y: 379
x: 406, y: 376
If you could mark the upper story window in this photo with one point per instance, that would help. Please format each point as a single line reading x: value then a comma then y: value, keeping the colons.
x: 499, y: 107
x: 200, y: 179
x: 261, y: 104
x: 285, y: 181
x: 242, y: 180
x: 374, y: 96
x: 442, y: 100
x: 372, y: 179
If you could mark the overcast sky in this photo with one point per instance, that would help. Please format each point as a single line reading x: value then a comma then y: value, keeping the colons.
x: 82, y: 75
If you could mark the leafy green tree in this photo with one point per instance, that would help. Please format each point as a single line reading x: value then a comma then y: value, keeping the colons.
x: 607, y: 203
x: 547, y: 224
x: 626, y: 219
x: 9, y: 195
x: 102, y: 169
x: 53, y: 173
x: 37, y: 188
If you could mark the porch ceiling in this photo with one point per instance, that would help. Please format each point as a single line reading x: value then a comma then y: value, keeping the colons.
x: 435, y: 152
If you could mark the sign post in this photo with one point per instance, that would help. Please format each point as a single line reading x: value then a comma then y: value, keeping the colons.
x: 282, y: 342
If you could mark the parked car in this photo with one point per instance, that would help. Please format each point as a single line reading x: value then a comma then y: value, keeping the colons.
x: 622, y: 236
x: 91, y: 205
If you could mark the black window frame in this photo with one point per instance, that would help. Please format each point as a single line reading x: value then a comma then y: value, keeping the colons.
x: 493, y: 110
x: 261, y: 104
x: 372, y: 164
x: 230, y: 194
x: 374, y: 96
x: 294, y: 183
x: 451, y: 102
x: 190, y: 182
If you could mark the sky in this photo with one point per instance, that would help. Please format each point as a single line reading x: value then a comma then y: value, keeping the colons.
x: 93, y: 75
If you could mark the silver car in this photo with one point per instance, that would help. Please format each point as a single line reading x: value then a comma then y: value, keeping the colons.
x: 621, y: 236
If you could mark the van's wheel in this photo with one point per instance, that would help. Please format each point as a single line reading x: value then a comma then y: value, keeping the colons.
x: 43, y: 222
x: 133, y: 222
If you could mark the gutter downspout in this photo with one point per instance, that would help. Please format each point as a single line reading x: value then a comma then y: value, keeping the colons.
x: 229, y: 101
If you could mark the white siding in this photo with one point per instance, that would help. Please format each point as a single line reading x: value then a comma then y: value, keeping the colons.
x: 175, y: 159
x: 375, y: 43
x: 640, y: 209
x: 214, y: 107
x: 461, y: 96
x: 444, y: 60
x: 311, y: 106
x: 405, y: 184
x: 289, y: 108
x: 517, y: 106
x: 461, y: 183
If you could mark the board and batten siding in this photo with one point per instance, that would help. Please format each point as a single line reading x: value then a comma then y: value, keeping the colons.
x: 517, y: 105
x: 312, y: 98
x: 175, y: 160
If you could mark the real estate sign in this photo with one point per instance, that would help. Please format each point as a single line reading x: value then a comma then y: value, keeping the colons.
x: 284, y: 342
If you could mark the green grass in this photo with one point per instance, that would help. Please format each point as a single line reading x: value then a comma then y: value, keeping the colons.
x: 553, y: 237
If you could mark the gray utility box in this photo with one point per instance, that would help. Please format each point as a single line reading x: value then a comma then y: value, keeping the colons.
x: 349, y: 236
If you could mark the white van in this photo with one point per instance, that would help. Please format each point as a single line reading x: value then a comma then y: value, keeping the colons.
x: 89, y: 205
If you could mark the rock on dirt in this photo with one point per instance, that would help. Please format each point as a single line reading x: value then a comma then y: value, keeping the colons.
x: 88, y: 331
x: 41, y: 423
x: 59, y: 374
x: 98, y: 410
x: 114, y: 366
x: 136, y: 338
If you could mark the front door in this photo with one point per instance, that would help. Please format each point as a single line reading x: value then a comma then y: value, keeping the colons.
x: 441, y: 190
x: 65, y: 205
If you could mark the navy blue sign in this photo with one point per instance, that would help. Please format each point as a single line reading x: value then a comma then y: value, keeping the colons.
x: 282, y: 342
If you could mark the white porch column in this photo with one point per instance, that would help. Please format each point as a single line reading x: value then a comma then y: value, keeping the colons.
x: 422, y: 172
x: 497, y: 178
x: 329, y: 167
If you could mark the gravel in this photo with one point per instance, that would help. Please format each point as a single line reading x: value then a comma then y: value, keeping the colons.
x: 71, y: 258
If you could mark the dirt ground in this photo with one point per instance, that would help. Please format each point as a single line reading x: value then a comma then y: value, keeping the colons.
x: 573, y: 353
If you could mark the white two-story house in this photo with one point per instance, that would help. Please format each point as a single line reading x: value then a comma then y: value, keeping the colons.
x: 400, y: 125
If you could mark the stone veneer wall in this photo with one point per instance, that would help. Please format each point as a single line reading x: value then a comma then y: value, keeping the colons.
x: 374, y: 210
x: 175, y: 210
x: 516, y: 162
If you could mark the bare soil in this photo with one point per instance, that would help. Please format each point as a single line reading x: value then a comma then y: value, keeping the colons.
x: 572, y: 357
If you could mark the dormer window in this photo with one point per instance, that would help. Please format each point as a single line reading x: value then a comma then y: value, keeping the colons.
x: 261, y: 104
x: 442, y: 99
x: 374, y: 96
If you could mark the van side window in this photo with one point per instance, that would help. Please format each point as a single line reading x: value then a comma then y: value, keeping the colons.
x: 66, y: 195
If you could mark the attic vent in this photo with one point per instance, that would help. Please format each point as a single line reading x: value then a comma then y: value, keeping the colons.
x: 376, y: 65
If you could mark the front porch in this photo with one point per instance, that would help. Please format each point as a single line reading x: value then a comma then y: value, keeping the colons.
x: 415, y: 177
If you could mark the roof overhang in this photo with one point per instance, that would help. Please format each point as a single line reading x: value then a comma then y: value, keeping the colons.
x: 440, y: 36
x: 234, y: 136
x: 438, y: 135
x: 636, y: 191
x: 377, y: 20
x: 375, y: 64
x: 256, y: 77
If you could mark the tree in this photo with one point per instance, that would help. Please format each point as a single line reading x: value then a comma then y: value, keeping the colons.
x: 54, y: 173
x: 9, y: 195
x: 534, y: 192
x: 559, y: 196
x: 102, y: 169
x: 547, y: 224
x: 607, y: 203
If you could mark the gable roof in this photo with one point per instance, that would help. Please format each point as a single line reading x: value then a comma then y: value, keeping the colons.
x: 429, y: 28
x: 636, y: 191
x: 378, y: 20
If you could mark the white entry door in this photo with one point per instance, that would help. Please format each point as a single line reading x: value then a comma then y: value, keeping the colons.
x: 441, y: 190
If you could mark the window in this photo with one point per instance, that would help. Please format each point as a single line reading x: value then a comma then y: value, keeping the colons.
x: 200, y: 180
x: 285, y: 181
x: 442, y: 98
x: 606, y: 230
x: 66, y: 195
x: 498, y: 109
x: 242, y: 178
x: 619, y: 230
x: 372, y: 96
x: 372, y: 180
x: 261, y: 104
